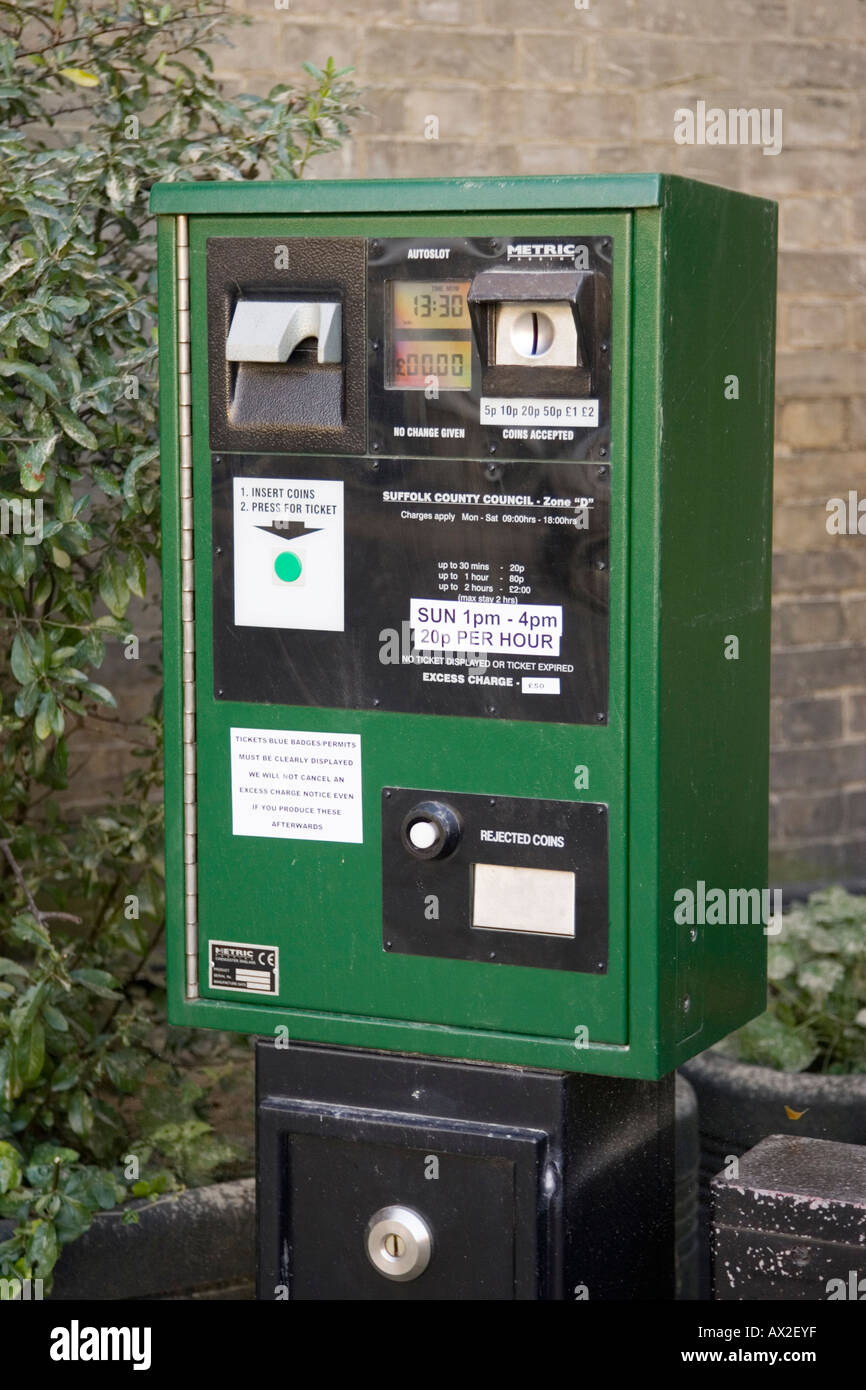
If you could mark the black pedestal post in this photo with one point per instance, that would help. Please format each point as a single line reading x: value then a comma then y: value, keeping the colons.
x: 394, y: 1176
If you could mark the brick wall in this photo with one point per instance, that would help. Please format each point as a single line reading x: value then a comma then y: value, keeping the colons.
x: 551, y: 88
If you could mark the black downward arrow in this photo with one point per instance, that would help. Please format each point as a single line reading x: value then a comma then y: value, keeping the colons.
x: 290, y: 531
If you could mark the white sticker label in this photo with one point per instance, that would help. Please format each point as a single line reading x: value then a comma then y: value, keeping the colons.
x: 540, y: 685
x: 537, y: 410
x: 288, y: 543
x: 296, y: 785
x: 486, y: 627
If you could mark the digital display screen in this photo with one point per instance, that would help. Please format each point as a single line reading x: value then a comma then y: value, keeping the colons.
x: 430, y: 337
x: 430, y: 304
x: 416, y: 361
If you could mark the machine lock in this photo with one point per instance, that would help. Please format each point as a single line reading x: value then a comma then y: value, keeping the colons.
x: 399, y: 1243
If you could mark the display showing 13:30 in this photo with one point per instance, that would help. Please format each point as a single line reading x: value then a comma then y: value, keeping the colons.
x: 441, y: 305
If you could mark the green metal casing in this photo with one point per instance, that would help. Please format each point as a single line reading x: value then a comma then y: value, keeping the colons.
x: 682, y: 763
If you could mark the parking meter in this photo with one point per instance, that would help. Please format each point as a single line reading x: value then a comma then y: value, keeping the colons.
x: 466, y: 519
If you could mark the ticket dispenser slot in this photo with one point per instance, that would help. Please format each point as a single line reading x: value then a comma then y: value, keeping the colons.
x: 270, y: 330
x: 285, y: 359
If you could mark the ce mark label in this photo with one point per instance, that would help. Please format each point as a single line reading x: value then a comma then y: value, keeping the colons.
x: 244, y: 967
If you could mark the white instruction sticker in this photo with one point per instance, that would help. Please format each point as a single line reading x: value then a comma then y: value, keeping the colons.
x: 487, y: 627
x: 288, y: 544
x: 296, y: 785
x: 537, y: 410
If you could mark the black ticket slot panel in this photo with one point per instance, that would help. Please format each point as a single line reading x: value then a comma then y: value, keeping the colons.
x: 286, y: 344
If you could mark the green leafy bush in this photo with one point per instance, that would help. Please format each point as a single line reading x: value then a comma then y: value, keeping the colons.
x: 816, y: 1019
x: 98, y: 100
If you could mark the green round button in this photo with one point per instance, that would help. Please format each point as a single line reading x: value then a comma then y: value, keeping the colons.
x: 287, y: 566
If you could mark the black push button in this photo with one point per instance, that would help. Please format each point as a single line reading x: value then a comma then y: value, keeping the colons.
x: 431, y: 830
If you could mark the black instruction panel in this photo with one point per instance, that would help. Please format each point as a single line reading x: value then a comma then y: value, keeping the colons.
x: 438, y: 586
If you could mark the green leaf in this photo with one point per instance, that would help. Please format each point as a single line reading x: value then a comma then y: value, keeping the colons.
x: 138, y: 461
x: 114, y: 590
x: 97, y: 981
x: 32, y: 460
x: 66, y: 1074
x: 73, y: 1219
x: 14, y: 266
x: 33, y: 332
x: 75, y: 428
x: 48, y: 1152
x: 49, y: 717
x: 24, y: 927
x: 22, y: 663
x: 42, y: 1248
x: 80, y: 1113
x: 125, y: 1068
x: 781, y: 962
x: 769, y: 1042
x: 26, y: 370
x: 820, y: 977
x: 136, y: 572
x: 100, y: 693
x: 41, y: 589
x: 98, y: 1188
x: 55, y: 1019
x: 69, y: 306
x: 28, y: 1052
x: 79, y: 77
x: 13, y: 967
x: 107, y: 481
x: 38, y: 207
x: 10, y: 1167
x: 60, y: 656
x: 26, y: 700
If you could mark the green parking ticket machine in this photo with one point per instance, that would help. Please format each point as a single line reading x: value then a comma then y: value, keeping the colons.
x: 466, y: 491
